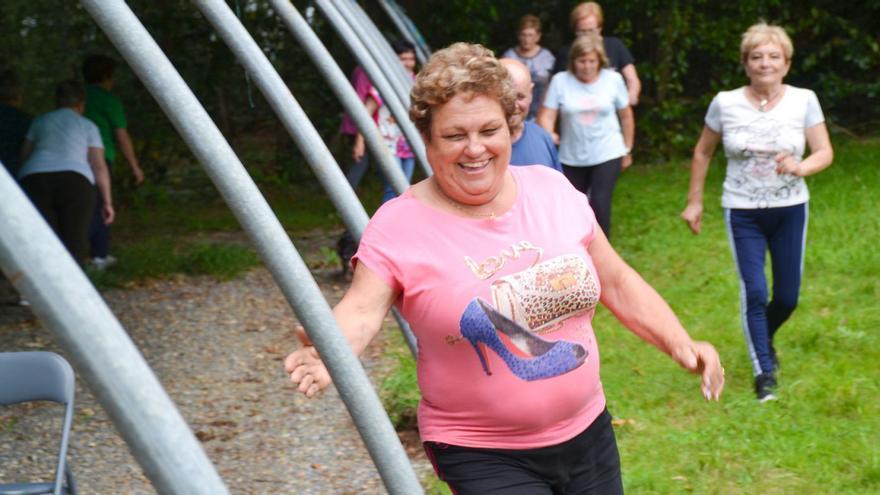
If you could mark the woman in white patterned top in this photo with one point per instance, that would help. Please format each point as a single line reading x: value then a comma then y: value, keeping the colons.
x: 764, y: 127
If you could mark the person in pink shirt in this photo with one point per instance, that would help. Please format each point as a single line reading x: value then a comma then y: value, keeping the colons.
x: 499, y: 270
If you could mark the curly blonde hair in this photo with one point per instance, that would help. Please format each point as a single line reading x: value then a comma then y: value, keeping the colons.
x: 461, y: 68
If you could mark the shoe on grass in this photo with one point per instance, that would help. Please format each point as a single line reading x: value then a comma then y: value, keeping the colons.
x: 102, y: 262
x: 765, y: 387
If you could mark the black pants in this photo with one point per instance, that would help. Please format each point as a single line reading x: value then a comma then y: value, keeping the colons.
x: 66, y: 200
x: 588, y: 464
x: 597, y: 182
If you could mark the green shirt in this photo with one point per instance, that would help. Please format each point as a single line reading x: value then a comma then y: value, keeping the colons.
x: 105, y: 110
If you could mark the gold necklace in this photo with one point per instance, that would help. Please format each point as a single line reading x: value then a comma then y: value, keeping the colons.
x: 763, y: 102
x: 457, y: 206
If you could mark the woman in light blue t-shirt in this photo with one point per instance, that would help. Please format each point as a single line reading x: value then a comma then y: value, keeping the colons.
x: 596, y: 125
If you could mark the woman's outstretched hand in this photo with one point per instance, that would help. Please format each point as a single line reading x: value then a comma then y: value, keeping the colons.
x: 701, y: 358
x: 305, y: 367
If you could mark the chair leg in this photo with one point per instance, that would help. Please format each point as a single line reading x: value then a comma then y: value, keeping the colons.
x: 70, y: 481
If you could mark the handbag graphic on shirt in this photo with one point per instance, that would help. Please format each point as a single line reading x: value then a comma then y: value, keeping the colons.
x: 541, y: 297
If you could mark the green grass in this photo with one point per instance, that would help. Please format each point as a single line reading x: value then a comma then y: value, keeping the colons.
x: 821, y: 437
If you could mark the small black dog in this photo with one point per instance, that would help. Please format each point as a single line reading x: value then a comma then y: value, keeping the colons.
x: 345, y: 249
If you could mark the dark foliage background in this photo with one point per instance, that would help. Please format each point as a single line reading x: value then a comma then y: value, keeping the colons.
x: 685, y: 52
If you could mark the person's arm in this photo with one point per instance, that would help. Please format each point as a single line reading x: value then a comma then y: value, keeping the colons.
x: 628, y: 128
x: 359, y: 315
x: 693, y: 212
x: 27, y: 147
x: 102, y: 181
x: 633, y: 84
x: 123, y: 141
x: 821, y: 154
x: 641, y: 309
x: 547, y: 120
x: 359, y: 148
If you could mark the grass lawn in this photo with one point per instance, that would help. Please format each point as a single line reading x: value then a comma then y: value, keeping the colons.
x: 822, y: 435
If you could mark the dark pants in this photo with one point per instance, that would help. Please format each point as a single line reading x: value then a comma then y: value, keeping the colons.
x: 597, y: 182
x: 587, y: 464
x: 99, y: 232
x: 66, y: 200
x: 752, y: 232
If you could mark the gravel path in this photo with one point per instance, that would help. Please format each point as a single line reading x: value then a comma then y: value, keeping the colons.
x: 217, y: 348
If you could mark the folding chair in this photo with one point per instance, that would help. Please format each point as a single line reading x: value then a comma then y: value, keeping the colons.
x: 33, y: 376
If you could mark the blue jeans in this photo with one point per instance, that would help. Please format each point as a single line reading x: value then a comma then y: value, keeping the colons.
x: 407, y: 165
x: 752, y: 232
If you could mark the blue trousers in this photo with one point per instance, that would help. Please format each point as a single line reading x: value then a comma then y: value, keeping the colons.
x: 407, y: 165
x: 782, y: 231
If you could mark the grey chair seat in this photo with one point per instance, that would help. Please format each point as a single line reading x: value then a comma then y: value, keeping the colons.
x: 38, y: 376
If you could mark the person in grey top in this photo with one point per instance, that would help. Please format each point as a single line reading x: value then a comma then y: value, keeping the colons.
x: 535, y: 57
x: 62, y: 164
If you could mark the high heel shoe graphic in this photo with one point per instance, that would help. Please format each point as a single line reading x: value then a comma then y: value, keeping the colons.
x: 538, y: 358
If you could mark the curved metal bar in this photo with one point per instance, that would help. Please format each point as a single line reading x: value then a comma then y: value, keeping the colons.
x: 377, y: 76
x: 379, y: 46
x: 39, y: 266
x: 406, y: 25
x: 339, y: 84
x: 271, y: 241
x: 327, y: 66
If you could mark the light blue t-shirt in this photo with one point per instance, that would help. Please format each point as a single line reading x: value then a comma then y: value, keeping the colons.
x: 62, y: 139
x: 589, y: 128
x: 535, y: 147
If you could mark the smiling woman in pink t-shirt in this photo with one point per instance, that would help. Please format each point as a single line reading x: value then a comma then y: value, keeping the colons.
x: 499, y: 271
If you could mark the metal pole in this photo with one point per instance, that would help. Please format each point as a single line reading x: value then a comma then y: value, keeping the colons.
x: 275, y: 248
x: 378, y: 47
x: 361, y: 53
x: 335, y: 78
x: 339, y: 84
x: 402, y: 28
x: 297, y: 123
x: 394, y: 9
x: 295, y: 120
x: 41, y: 269
x: 359, y: 19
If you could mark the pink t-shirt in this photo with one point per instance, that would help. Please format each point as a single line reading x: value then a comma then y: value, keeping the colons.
x: 532, y: 265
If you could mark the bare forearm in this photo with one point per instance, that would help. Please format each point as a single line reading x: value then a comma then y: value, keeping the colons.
x: 816, y: 162
x: 699, y: 170
x: 644, y: 312
x: 123, y: 140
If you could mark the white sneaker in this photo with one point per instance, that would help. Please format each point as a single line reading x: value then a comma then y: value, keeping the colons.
x: 101, y: 263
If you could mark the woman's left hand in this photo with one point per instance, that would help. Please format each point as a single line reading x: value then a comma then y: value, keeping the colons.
x: 702, y: 358
x: 788, y: 164
x: 626, y: 161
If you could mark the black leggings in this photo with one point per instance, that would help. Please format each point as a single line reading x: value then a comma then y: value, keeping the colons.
x: 588, y: 464
x: 66, y: 200
x: 597, y: 182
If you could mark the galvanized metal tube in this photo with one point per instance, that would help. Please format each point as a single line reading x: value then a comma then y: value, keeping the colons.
x: 383, y: 50
x: 275, y: 248
x: 406, y: 25
x: 101, y: 351
x: 339, y: 84
x: 292, y: 116
x: 377, y: 76
x: 329, y: 69
x: 403, y: 29
x: 378, y: 46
